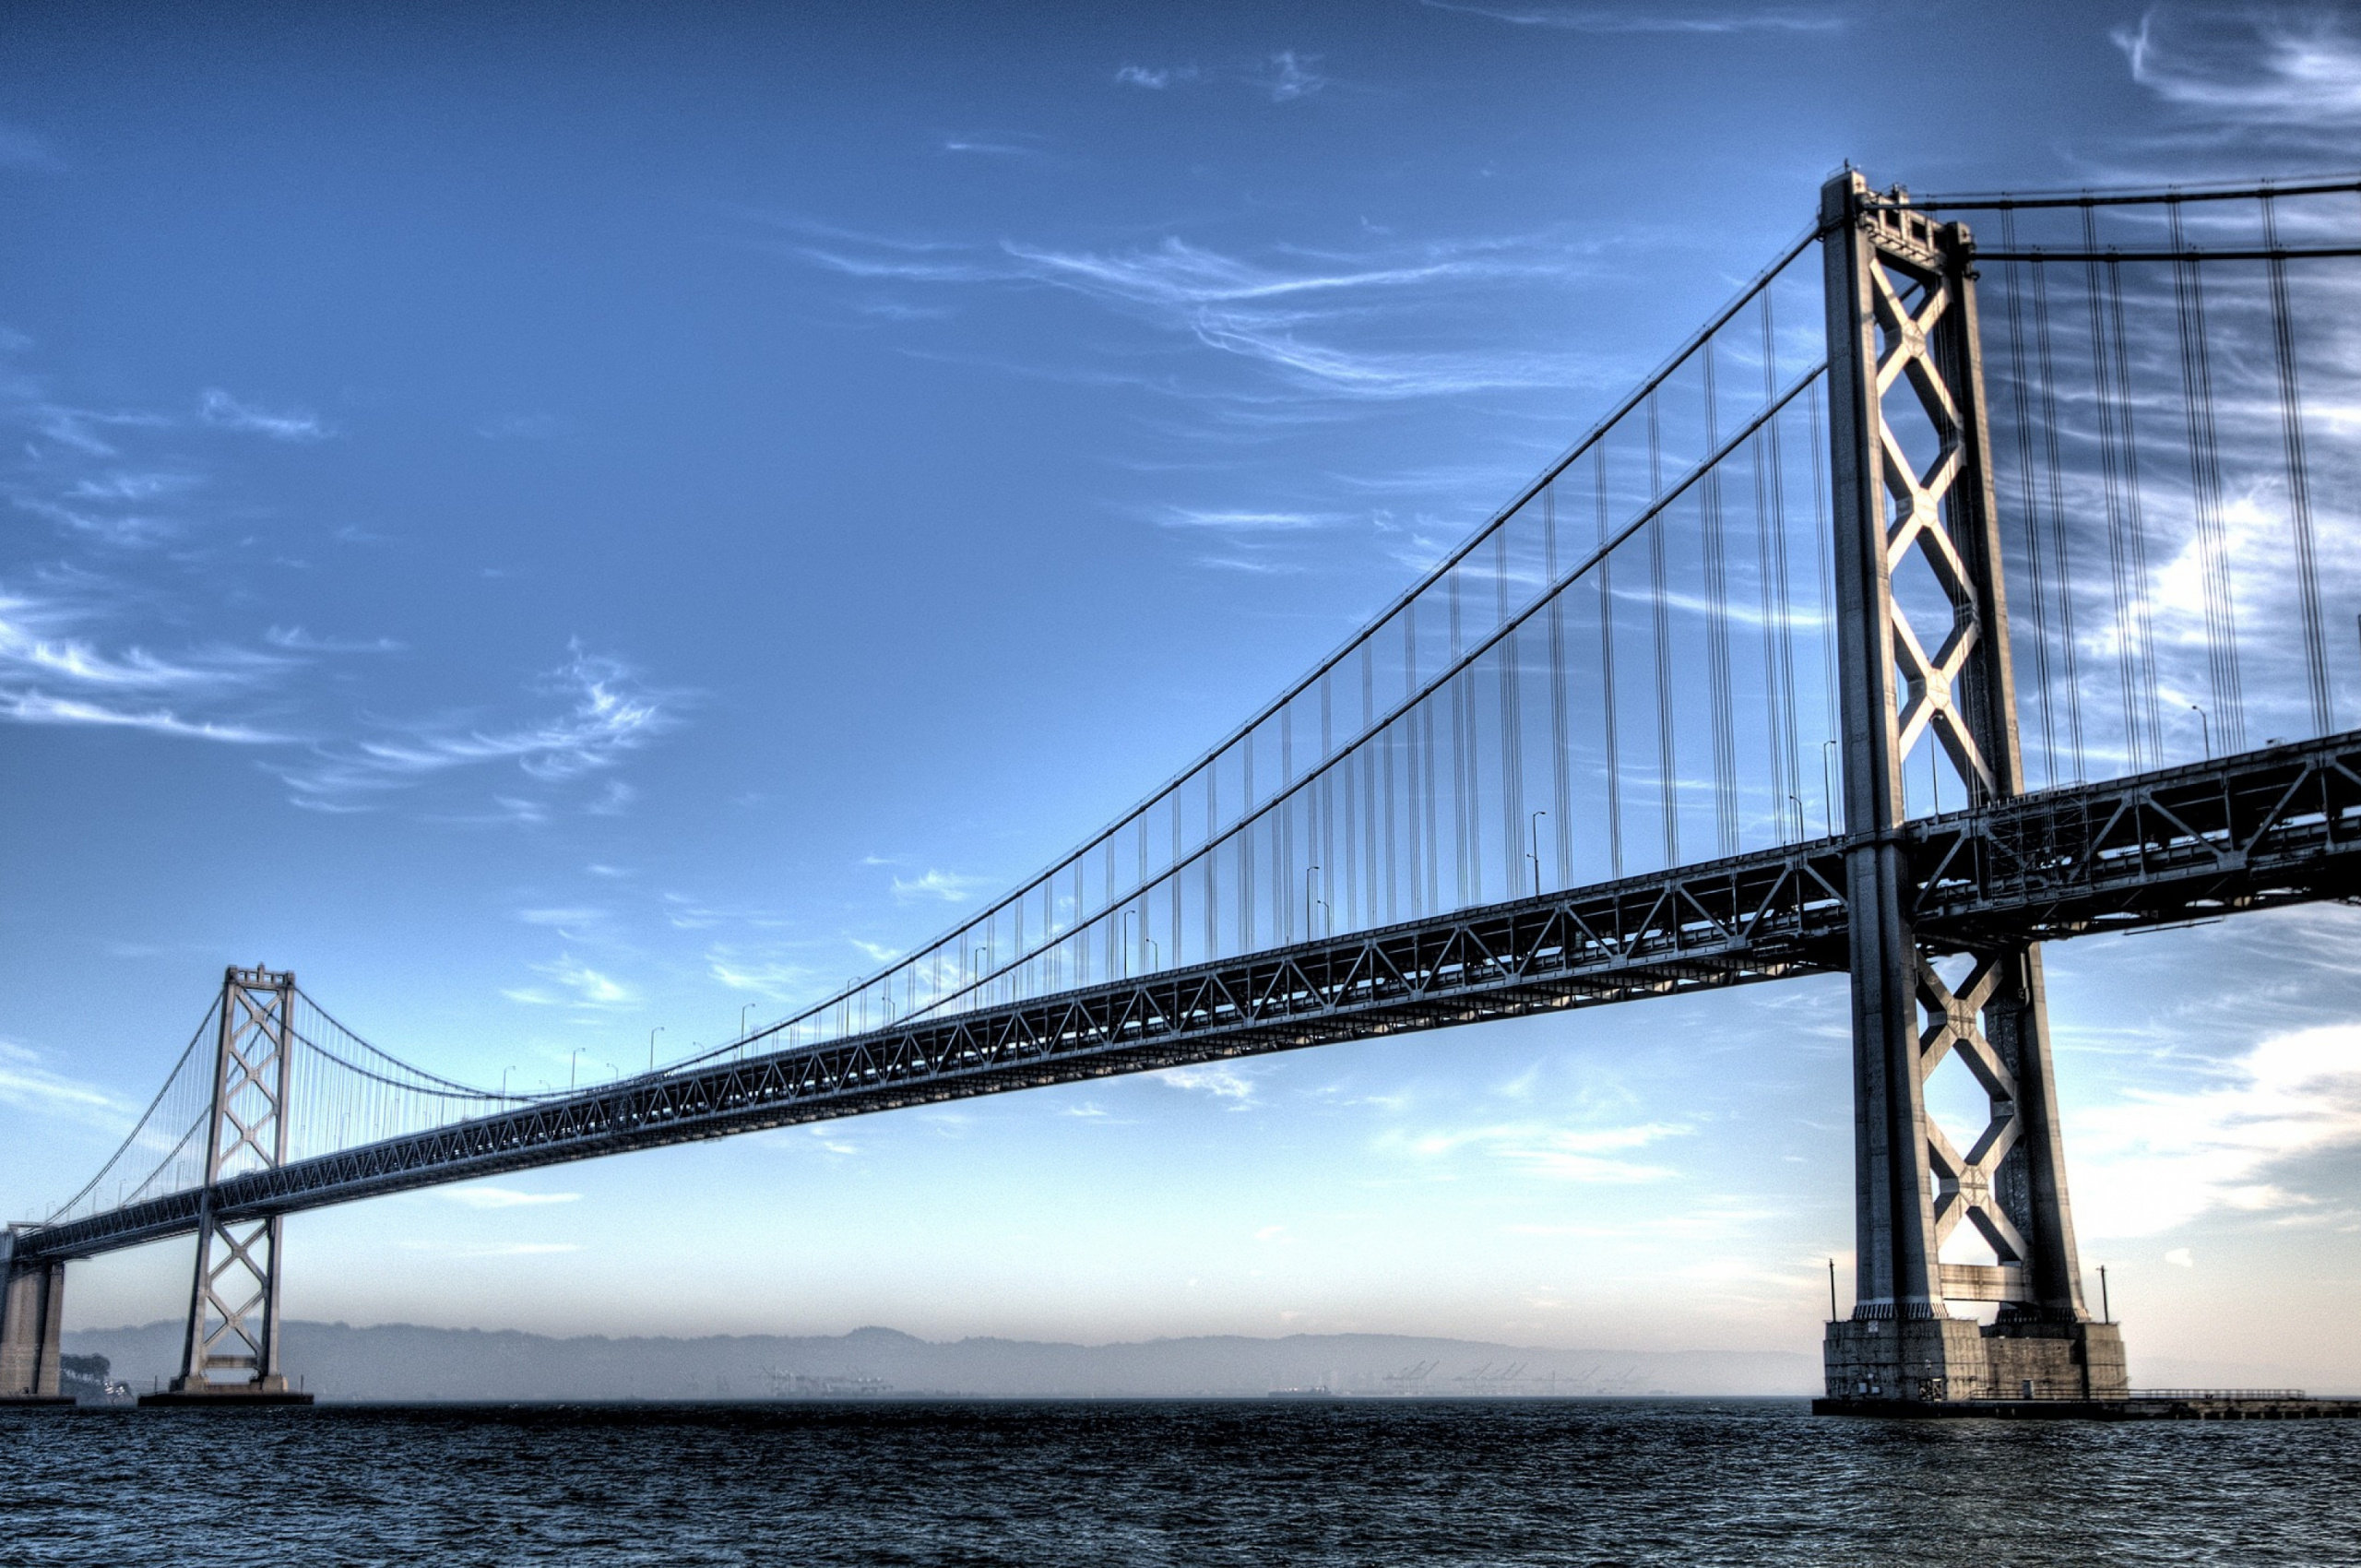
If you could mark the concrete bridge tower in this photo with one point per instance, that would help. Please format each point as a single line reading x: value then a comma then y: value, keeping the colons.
x: 1914, y: 494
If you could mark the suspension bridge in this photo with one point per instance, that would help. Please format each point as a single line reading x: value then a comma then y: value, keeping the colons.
x: 1974, y: 588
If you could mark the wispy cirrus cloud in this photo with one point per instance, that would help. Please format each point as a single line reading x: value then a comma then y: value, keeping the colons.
x: 39, y: 707
x: 485, y: 1195
x: 219, y: 408
x: 950, y: 887
x: 580, y: 986
x: 1656, y: 20
x: 1287, y: 76
x: 1570, y: 1154
x: 1219, y: 1079
x: 1157, y: 78
x: 773, y: 979
x: 1283, y: 76
x: 49, y: 675
x: 997, y: 144
x: 1318, y: 321
x: 297, y: 640
x: 1244, y: 522
x: 2296, y: 69
x: 25, y: 1083
x: 608, y: 715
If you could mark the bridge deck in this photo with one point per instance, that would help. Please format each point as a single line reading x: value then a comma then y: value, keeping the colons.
x: 2256, y: 831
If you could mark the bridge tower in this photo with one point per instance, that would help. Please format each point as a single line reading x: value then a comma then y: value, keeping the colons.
x: 1914, y: 494
x: 233, y: 1304
x: 32, y: 1315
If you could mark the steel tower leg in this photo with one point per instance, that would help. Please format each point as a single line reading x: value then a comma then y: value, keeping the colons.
x: 233, y: 1304
x: 1913, y: 496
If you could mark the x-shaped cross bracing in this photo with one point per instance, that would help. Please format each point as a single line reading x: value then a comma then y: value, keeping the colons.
x: 1917, y: 524
x: 1964, y: 1184
x: 237, y: 1253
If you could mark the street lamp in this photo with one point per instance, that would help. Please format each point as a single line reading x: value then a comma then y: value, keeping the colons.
x: 1534, y: 823
x: 571, y: 1061
x: 1309, y: 872
x: 2205, y: 727
x: 651, y: 1046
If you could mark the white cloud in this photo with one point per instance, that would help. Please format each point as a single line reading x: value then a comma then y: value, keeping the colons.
x: 1000, y: 147
x: 485, y: 1196
x: 36, y: 654
x: 39, y: 707
x: 1636, y: 19
x: 218, y: 408
x: 2254, y: 66
x: 1264, y: 313
x: 949, y: 887
x: 591, y: 988
x: 1155, y: 78
x: 28, y: 1086
x: 1219, y: 1079
x: 1244, y: 522
x: 1287, y: 76
x: 1574, y: 1154
x: 2159, y: 1159
x: 297, y: 640
x: 773, y: 980
x: 2179, y: 1257
x: 610, y: 715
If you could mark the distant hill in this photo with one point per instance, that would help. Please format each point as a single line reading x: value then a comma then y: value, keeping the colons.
x: 400, y: 1362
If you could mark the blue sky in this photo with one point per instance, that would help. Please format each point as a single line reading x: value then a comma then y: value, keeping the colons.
x: 587, y: 519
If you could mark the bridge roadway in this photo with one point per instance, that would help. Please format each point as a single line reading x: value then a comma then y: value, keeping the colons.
x: 2258, y: 830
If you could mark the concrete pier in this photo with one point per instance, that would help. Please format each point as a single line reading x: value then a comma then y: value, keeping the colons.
x: 32, y: 1316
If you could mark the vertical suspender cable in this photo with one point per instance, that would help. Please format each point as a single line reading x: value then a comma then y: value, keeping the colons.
x: 2110, y: 403
x: 2136, y: 526
x: 2299, y: 486
x: 1718, y: 628
x: 1668, y: 777
x: 1512, y: 735
x: 2205, y: 493
x: 2057, y: 530
x: 1607, y: 672
x: 1562, y: 787
x: 1778, y: 607
x: 1460, y: 794
x: 1824, y: 546
x: 2037, y: 575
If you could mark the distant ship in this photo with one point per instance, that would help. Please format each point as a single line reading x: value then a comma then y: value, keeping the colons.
x: 1323, y: 1392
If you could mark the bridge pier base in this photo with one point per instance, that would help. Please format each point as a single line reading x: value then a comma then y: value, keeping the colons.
x: 1946, y: 1359
x: 32, y: 1316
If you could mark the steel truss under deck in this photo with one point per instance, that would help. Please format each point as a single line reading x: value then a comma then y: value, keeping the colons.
x: 2256, y: 831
